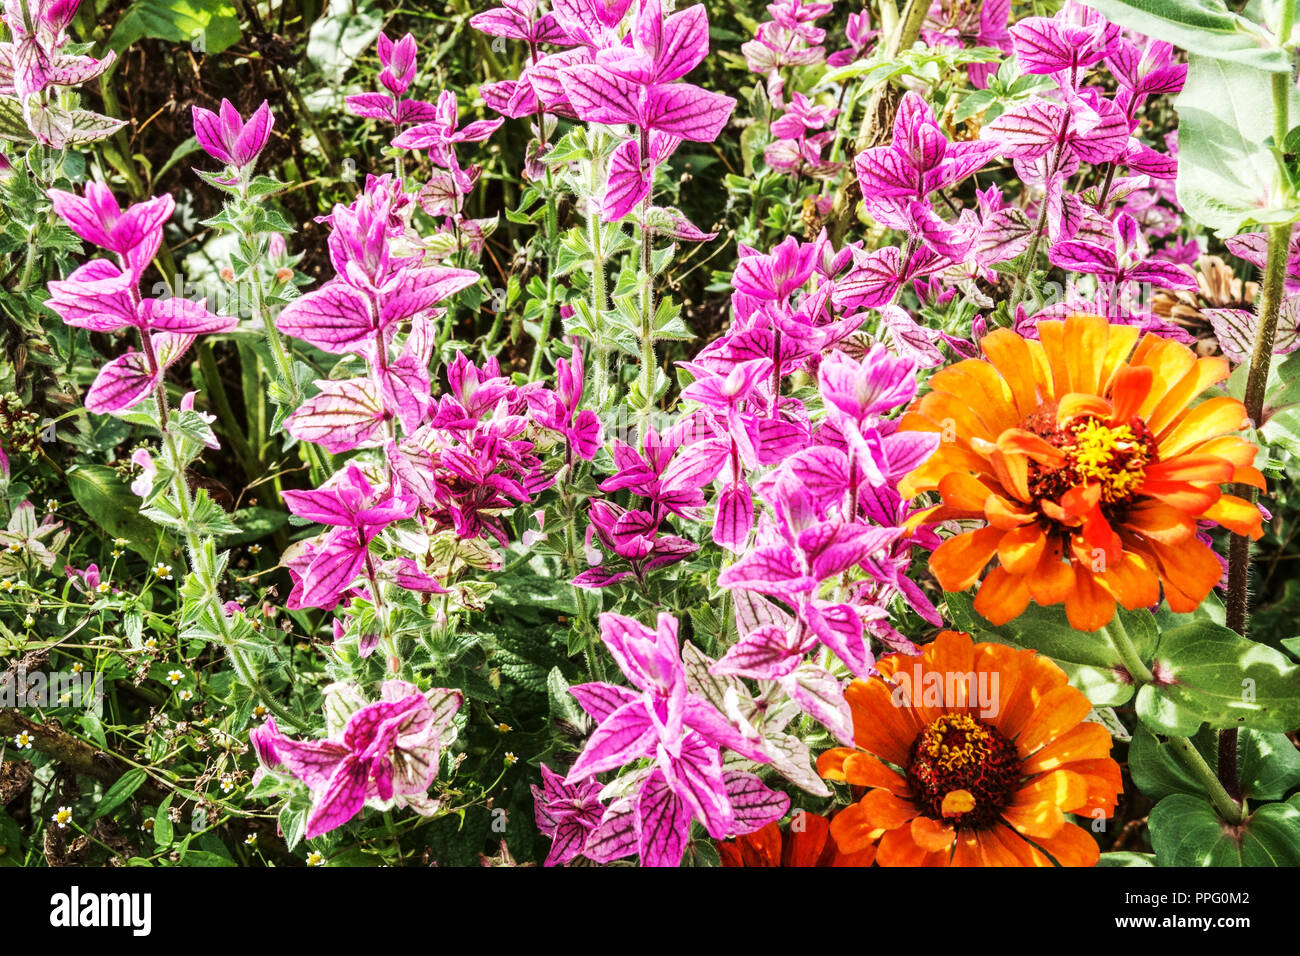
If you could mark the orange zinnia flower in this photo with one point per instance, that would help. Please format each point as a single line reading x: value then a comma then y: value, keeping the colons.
x: 809, y: 844
x: 989, y: 750
x: 1090, y: 466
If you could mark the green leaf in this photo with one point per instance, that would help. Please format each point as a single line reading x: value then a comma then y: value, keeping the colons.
x: 162, y: 823
x: 293, y: 821
x: 1127, y: 859
x: 254, y: 523
x: 1268, y: 764
x: 1227, y: 174
x: 115, y: 509
x: 1205, y: 27
x: 11, y: 841
x: 1208, y: 674
x: 1186, y: 831
x: 209, y: 26
x: 346, y: 30
x: 119, y: 792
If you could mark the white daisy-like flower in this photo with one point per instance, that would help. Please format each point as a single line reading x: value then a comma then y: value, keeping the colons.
x: 254, y: 549
x: 23, y: 740
x: 315, y: 858
x: 510, y: 759
x: 260, y: 712
x: 186, y: 694
x: 121, y: 542
x: 103, y: 587
x: 117, y: 552
x: 63, y: 816
x: 7, y: 585
x: 174, y: 677
x: 227, y: 783
x: 163, y: 571
x: 78, y: 667
x: 151, y: 644
x: 51, y: 504
x: 250, y: 840
x: 28, y: 621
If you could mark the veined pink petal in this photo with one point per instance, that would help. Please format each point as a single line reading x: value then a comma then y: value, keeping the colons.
x: 688, y: 111
x: 663, y: 823
x: 181, y: 315
x: 598, y: 96
x: 335, y: 317
x: 121, y: 384
x: 344, y: 415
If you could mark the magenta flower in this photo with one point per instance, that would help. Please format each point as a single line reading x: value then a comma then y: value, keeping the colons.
x: 633, y: 83
x: 398, y: 67
x: 567, y: 813
x: 32, y: 60
x: 103, y: 296
x: 897, y: 179
x: 683, y: 734
x: 383, y: 753
x: 133, y: 234
x: 227, y: 138
x: 359, y: 512
x: 1068, y: 43
x: 560, y: 410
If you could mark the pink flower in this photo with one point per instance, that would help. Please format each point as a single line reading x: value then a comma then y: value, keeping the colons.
x: 383, y: 753
x: 227, y: 138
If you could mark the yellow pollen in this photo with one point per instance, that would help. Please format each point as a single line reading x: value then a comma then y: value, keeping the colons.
x: 955, y: 741
x: 1110, y: 455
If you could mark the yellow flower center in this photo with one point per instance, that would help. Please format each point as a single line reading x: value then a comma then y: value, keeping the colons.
x: 962, y: 771
x: 1113, y: 456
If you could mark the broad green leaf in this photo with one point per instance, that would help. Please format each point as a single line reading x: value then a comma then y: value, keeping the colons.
x: 1204, y: 27
x: 11, y: 841
x: 162, y: 823
x: 1127, y: 859
x: 119, y: 792
x: 115, y: 509
x: 1268, y: 764
x: 1186, y: 831
x: 1207, y: 674
x: 338, y: 38
x: 208, y: 26
x: 1227, y: 176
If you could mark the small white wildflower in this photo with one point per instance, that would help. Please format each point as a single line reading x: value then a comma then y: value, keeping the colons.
x: 174, y: 677
x: 260, y: 712
x: 250, y: 840
x: 63, y: 816
x: 227, y: 783
x: 78, y: 667
x: 254, y: 549
x: 120, y: 542
x: 510, y: 759
x: 23, y: 740
x: 186, y: 694
x: 51, y: 504
x: 315, y: 858
x: 163, y: 571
